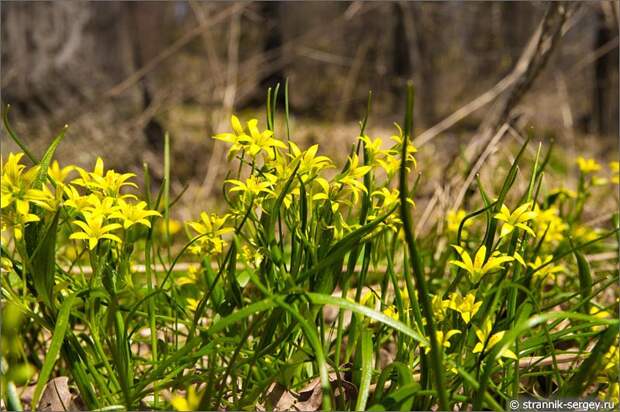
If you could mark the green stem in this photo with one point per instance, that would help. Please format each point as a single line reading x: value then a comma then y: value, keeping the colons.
x: 416, y: 261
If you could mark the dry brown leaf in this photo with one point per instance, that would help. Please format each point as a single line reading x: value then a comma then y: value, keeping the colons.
x: 309, y: 398
x: 58, y: 397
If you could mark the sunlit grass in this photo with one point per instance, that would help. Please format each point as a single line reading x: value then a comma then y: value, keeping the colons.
x: 498, y: 302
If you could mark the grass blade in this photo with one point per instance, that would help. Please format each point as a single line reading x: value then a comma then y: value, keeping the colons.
x: 54, y: 349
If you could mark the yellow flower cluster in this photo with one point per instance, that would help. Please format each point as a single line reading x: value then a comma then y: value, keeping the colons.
x: 590, y: 168
x: 271, y: 162
x: 94, y: 201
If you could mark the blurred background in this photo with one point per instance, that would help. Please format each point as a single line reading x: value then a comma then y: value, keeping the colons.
x: 121, y: 74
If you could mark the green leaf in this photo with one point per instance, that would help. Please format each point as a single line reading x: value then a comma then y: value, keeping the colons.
x: 321, y: 299
x: 47, y: 159
x: 16, y: 138
x: 588, y: 370
x: 585, y: 278
x: 41, y: 240
x: 62, y: 321
x: 366, y: 369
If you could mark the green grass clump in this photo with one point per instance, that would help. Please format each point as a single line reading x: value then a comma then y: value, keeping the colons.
x: 311, y: 290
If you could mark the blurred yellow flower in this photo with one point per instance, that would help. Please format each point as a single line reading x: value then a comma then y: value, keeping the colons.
x: 189, y: 402
x: 588, y: 165
x: 548, y: 271
x: 454, y: 219
x: 442, y: 339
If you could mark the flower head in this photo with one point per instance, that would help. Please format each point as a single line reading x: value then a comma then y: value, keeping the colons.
x: 516, y: 219
x: 466, y: 306
x: 108, y: 183
x: 59, y: 174
x: 351, y: 176
x: 486, y: 340
x: 454, y: 219
x: 477, y: 267
x: 16, y: 185
x: 541, y: 271
x: 439, y: 306
x: 251, y: 143
x: 252, y: 185
x: 210, y: 229
x: 443, y: 339
x: 189, y: 402
x: 134, y: 213
x: 549, y: 223
x: 588, y: 165
x: 310, y: 163
x: 93, y: 229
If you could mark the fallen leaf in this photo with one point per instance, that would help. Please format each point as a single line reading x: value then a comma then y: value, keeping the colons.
x: 58, y: 397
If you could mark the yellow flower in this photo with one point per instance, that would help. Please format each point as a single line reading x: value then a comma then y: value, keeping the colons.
x: 478, y: 268
x: 549, y: 223
x: 454, y: 219
x: 376, y: 155
x: 547, y: 271
x: 486, y: 341
x: 588, y: 165
x: 252, y: 143
x: 210, y: 228
x: 442, y: 340
x: 466, y: 306
x: 189, y: 402
x: 390, y: 199
x: 15, y: 185
x: 439, y: 306
x: 75, y: 199
x: 262, y: 141
x: 251, y: 255
x: 601, y: 314
x: 516, y: 219
x: 109, y: 183
x: 584, y: 234
x: 391, y: 312
x: 310, y: 163
x: 133, y: 213
x: 613, y: 393
x: 351, y: 175
x: 411, y: 149
x: 369, y: 299
x: 192, y: 304
x: 252, y: 185
x: 105, y: 207
x: 174, y: 226
x: 390, y: 163
x: 562, y: 191
x: 59, y: 174
x: 94, y: 229
x: 611, y: 361
x: 235, y: 138
x: 18, y: 221
x: 190, y: 277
